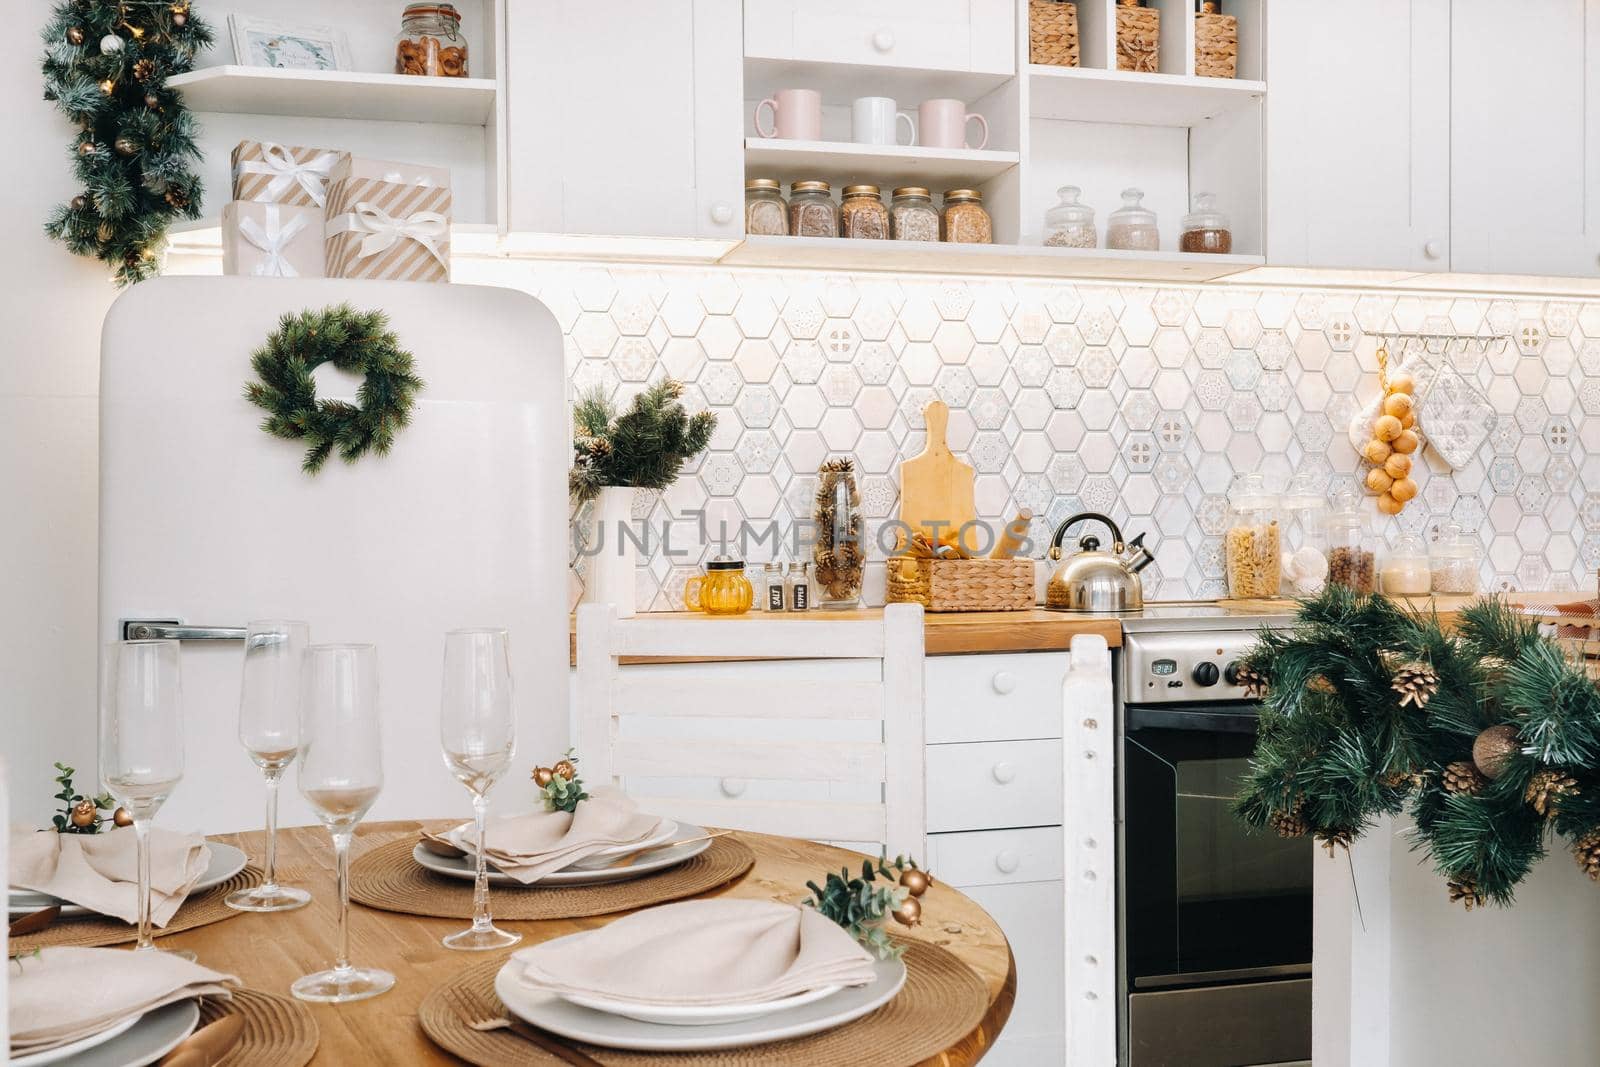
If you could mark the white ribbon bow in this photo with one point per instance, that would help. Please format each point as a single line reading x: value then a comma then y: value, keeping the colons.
x: 382, y: 230
x: 272, y: 240
x: 311, y: 176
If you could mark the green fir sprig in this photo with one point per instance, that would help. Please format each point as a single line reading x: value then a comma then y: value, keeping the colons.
x: 643, y: 447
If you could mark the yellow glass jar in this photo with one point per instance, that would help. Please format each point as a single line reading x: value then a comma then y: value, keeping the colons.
x: 722, y: 590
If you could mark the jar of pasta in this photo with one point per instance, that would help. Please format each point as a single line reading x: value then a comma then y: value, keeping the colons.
x: 812, y: 212
x: 765, y: 213
x: 430, y: 43
x: 912, y: 216
x: 1252, y: 546
x: 862, y: 214
x: 965, y: 220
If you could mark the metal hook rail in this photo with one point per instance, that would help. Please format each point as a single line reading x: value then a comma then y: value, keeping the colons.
x: 1439, y: 344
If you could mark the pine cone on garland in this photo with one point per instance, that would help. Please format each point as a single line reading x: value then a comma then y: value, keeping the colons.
x: 1291, y: 823
x: 1416, y: 682
x: 1333, y: 840
x: 1465, y: 892
x: 176, y: 198
x: 1586, y: 850
x: 1253, y: 682
x: 144, y: 70
x: 1546, y: 790
x: 1319, y: 683
x: 1463, y: 776
x: 1397, y: 778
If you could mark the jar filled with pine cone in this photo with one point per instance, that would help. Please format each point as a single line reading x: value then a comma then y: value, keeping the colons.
x: 840, y: 549
x: 1547, y: 789
x: 1463, y: 776
x: 1586, y: 850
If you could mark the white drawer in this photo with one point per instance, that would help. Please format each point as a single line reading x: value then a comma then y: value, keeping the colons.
x: 994, y: 785
x: 1033, y: 919
x: 997, y: 857
x: 1011, y: 697
x: 967, y: 35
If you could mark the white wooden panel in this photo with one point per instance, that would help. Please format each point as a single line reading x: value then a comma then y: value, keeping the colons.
x: 811, y: 821
x: 643, y: 691
x: 750, y: 759
x: 747, y: 637
x: 993, y: 26
x: 904, y: 781
x: 930, y: 34
x: 993, y: 785
x: 1030, y: 917
x: 718, y: 118
x: 1089, y: 831
x: 1008, y: 697
x: 997, y: 857
x: 1350, y: 988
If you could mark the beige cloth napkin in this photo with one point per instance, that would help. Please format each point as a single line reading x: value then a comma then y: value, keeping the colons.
x: 61, y: 995
x: 701, y: 952
x: 529, y: 847
x: 101, y: 871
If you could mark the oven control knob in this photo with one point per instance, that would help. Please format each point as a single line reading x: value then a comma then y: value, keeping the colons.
x: 1205, y: 674
x: 1230, y: 673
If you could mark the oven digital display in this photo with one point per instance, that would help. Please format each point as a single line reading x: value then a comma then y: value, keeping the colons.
x: 1164, y: 667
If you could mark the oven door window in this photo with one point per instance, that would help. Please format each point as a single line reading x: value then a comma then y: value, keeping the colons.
x: 1205, y: 898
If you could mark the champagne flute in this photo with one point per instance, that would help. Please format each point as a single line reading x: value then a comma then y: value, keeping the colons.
x: 340, y: 774
x: 141, y: 744
x: 478, y: 734
x: 269, y: 729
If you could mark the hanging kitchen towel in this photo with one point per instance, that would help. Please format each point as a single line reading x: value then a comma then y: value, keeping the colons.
x: 1454, y: 417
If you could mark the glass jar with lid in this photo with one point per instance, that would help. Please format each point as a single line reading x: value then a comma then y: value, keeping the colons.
x: 1252, y: 547
x: 1405, y: 568
x: 1070, y: 224
x: 1205, y: 229
x: 1454, y: 560
x: 430, y: 42
x: 1132, y: 227
x: 812, y: 212
x: 965, y: 220
x: 722, y: 590
x: 765, y: 213
x: 912, y: 216
x: 1305, y: 522
x: 862, y: 214
x: 1351, y: 562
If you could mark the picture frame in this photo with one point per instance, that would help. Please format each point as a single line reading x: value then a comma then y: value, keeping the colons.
x: 283, y: 45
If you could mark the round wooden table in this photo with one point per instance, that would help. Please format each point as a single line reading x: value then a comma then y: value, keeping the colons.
x: 268, y: 952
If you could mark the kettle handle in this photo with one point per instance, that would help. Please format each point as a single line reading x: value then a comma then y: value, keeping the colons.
x: 1095, y: 516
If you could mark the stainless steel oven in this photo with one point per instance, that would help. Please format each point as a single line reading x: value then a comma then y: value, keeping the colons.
x: 1214, y: 921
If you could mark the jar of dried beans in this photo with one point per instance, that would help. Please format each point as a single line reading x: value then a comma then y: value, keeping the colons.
x: 1351, y: 561
x: 1205, y: 229
x: 1253, y: 544
x: 1070, y: 224
x: 862, y: 214
x: 812, y: 212
x: 965, y: 220
x: 912, y: 216
x: 430, y: 42
x: 1132, y: 227
x: 765, y: 213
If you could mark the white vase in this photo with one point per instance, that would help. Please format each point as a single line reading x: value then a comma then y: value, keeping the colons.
x: 609, y: 576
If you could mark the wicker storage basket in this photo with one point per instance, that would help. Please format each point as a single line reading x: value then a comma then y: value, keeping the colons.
x: 1138, y: 38
x: 1053, y: 33
x: 962, y: 584
x: 1216, y: 45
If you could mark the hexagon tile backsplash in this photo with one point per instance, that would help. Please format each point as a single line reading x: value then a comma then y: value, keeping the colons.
x: 1141, y: 402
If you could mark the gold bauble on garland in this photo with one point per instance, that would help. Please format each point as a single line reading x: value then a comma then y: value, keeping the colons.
x: 75, y: 35
x: 1494, y: 747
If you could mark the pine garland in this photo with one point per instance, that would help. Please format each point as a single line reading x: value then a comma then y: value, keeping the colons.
x: 135, y: 148
x: 1329, y: 763
x: 355, y: 341
x: 645, y: 446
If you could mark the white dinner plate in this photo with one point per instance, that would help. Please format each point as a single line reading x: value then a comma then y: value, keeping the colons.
x: 590, y: 872
x: 568, y: 1020
x: 699, y: 1014
x: 226, y: 861
x: 152, y: 1035
x: 55, y: 1055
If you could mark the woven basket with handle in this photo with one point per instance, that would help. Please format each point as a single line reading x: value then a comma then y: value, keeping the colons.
x: 961, y: 584
x: 1053, y: 33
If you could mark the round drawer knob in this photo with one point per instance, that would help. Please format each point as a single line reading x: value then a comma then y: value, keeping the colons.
x: 1003, y: 773
x: 883, y: 40
x: 733, y: 787
x: 1003, y: 682
x: 721, y: 212
x: 1007, y: 862
x: 1433, y: 250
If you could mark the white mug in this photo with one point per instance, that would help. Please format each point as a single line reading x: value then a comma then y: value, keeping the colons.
x: 796, y: 115
x: 943, y: 124
x: 874, y: 120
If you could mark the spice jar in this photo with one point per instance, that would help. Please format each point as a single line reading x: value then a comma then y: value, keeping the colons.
x: 1305, y: 519
x: 912, y: 216
x: 965, y: 220
x: 1253, y: 542
x: 1350, y: 558
x: 1205, y: 229
x: 430, y: 42
x: 1453, y: 561
x: 765, y: 213
x: 812, y: 212
x: 1070, y: 224
x: 1405, y: 568
x: 862, y: 214
x: 722, y: 590
x: 1132, y: 227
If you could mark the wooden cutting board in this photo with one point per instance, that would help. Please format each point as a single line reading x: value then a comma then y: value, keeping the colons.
x: 935, y: 486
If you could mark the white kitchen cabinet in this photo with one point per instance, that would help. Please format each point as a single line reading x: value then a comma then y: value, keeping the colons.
x: 1030, y: 914
x: 627, y: 118
x: 1358, y: 132
x: 1004, y: 697
x: 966, y: 35
x: 1525, y: 137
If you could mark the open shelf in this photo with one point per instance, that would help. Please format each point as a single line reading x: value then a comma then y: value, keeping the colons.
x: 845, y: 161
x: 1084, y: 94
x: 843, y: 254
x: 840, y: 83
x: 204, y: 237
x: 338, y: 94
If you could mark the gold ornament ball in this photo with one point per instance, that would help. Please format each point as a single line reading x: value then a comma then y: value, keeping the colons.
x: 125, y: 146
x: 910, y: 913
x: 83, y: 813
x: 1493, y: 749
x: 1376, y: 451
x: 564, y: 769
x: 79, y: 202
x: 1387, y: 428
x: 152, y: 101
x: 1403, y: 489
x: 85, y: 148
x: 916, y: 881
x: 542, y: 776
x: 1378, y: 481
x: 75, y: 34
x: 106, y: 232
x: 122, y: 817
x: 1407, y: 442
x: 1389, y: 505
x: 179, y: 18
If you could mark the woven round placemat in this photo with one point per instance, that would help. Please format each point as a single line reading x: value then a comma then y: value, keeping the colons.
x: 388, y: 878
x: 278, y: 1031
x: 200, y: 909
x: 941, y: 1003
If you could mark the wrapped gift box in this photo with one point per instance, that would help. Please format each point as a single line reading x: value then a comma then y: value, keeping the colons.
x: 388, y: 220
x: 271, y: 240
x: 283, y: 174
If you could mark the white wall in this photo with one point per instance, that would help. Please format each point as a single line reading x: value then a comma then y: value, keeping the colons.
x: 53, y: 304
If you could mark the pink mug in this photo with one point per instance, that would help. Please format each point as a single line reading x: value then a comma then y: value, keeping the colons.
x: 796, y: 115
x: 943, y: 124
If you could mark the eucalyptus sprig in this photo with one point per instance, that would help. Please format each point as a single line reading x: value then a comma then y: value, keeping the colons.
x: 861, y: 905
x: 559, y: 784
x: 79, y: 814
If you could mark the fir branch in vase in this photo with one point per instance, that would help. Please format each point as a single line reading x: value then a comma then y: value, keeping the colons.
x: 642, y: 447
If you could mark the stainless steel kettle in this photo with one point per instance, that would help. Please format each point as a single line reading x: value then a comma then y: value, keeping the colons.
x: 1092, y: 580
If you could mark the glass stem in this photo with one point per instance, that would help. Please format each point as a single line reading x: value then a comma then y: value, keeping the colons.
x: 341, y: 851
x: 269, y: 880
x: 480, y: 882
x: 141, y: 832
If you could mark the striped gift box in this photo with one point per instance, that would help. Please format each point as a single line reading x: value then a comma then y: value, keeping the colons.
x: 388, y: 221
x: 283, y: 174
